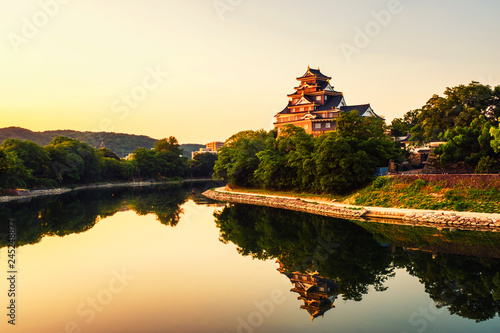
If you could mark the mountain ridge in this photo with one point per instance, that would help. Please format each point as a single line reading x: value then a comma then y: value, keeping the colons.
x: 121, y: 144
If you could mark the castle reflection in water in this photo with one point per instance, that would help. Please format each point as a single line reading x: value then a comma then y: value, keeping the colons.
x: 317, y: 293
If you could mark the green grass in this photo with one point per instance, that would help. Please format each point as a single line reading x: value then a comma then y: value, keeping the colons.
x: 442, y: 193
x: 419, y: 194
x: 326, y: 197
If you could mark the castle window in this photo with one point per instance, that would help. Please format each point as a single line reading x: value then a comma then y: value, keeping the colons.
x: 301, y: 109
x: 327, y: 125
x: 326, y: 97
x: 318, y: 98
x: 306, y: 127
x: 317, y: 125
x: 330, y: 115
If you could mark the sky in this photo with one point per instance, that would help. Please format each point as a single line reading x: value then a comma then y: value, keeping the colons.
x: 202, y: 70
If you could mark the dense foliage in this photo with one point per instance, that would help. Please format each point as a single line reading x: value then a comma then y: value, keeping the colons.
x: 66, y: 161
x: 335, y: 162
x: 202, y: 165
x: 466, y: 120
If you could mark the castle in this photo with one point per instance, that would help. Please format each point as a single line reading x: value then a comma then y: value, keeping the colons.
x: 315, y: 105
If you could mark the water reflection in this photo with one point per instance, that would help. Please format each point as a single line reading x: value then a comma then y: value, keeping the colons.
x: 318, y: 252
x: 77, y: 212
x: 468, y: 286
x: 324, y: 259
x: 317, y: 293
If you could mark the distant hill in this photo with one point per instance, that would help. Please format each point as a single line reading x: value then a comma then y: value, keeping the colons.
x: 120, y: 143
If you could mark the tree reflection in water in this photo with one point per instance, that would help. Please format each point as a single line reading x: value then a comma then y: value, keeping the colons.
x: 79, y: 211
x: 346, y: 257
x: 315, y: 251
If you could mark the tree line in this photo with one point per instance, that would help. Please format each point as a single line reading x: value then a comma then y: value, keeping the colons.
x: 66, y: 161
x: 465, y: 119
x: 335, y: 162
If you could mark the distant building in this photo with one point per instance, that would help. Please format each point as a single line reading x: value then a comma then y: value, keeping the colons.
x: 420, y: 155
x: 215, y: 146
x: 403, y: 140
x: 315, y: 105
x: 203, y: 151
x: 211, y: 148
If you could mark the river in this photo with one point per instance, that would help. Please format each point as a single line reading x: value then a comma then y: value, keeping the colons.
x: 166, y: 259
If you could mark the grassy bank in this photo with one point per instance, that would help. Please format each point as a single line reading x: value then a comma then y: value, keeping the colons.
x: 473, y: 193
x: 318, y: 197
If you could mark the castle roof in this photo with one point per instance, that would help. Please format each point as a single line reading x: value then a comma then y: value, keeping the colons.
x: 313, y: 72
x: 363, y: 109
x: 332, y: 103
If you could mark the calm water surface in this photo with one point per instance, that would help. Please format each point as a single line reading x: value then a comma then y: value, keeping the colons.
x: 159, y: 260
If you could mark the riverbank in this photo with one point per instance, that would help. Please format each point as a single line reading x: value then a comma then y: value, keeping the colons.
x: 472, y: 193
x: 26, y: 194
x: 420, y: 217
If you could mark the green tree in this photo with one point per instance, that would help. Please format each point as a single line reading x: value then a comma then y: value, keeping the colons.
x: 238, y: 159
x: 13, y: 173
x: 108, y: 153
x: 73, y: 161
x: 495, y: 142
x: 169, y: 159
x: 398, y: 127
x: 346, y: 158
x: 168, y: 145
x: 113, y: 169
x: 467, y: 144
x: 202, y: 165
x: 283, y: 163
x: 338, y: 161
x: 34, y: 157
x: 144, y: 161
x: 341, y: 167
x: 460, y: 106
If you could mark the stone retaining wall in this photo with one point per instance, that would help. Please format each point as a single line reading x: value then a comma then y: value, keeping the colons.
x: 454, y: 220
x: 292, y: 204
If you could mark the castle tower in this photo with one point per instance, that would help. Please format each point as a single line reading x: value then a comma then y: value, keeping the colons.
x: 315, y: 105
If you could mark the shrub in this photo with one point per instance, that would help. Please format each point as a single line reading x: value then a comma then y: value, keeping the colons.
x: 380, y: 182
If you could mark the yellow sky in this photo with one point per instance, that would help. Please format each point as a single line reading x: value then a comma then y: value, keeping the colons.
x: 202, y: 70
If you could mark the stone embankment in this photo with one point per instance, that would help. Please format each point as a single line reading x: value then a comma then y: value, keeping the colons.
x: 287, y: 203
x: 455, y: 219
x: 438, y: 219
